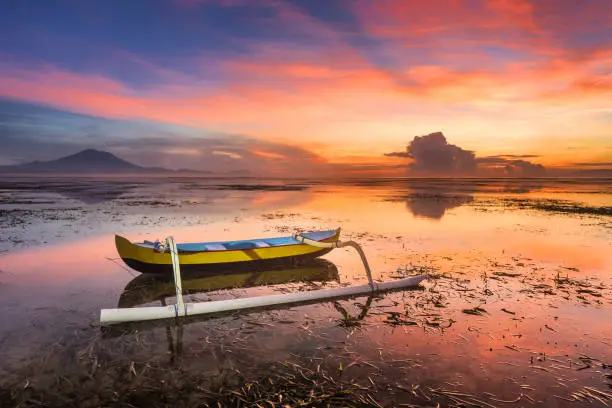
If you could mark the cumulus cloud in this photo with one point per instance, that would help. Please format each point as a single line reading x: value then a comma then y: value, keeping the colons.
x: 397, y: 154
x: 500, y: 166
x: 433, y: 155
x: 524, y: 168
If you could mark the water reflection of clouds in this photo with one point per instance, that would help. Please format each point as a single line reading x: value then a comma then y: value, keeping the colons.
x: 431, y: 198
x: 434, y: 206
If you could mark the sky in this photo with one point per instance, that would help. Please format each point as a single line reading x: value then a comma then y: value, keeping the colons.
x: 311, y: 87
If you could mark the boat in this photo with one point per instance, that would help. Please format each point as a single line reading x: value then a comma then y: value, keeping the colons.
x: 318, y: 241
x: 147, y: 288
x: 153, y: 257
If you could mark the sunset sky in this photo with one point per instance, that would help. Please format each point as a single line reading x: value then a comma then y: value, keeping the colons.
x: 308, y: 86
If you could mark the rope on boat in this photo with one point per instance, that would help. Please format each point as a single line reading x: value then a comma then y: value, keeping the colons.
x: 339, y: 244
x: 114, y: 260
x: 180, y: 307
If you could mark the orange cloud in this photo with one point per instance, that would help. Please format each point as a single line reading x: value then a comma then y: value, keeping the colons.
x: 323, y: 103
x: 268, y: 155
x: 228, y: 154
x: 278, y: 84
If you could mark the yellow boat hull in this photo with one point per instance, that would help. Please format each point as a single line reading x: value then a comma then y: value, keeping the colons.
x: 147, y: 260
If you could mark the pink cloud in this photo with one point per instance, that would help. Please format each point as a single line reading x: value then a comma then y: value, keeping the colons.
x: 420, y: 24
x: 269, y: 88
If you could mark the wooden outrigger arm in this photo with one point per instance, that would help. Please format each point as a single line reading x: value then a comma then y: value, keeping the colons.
x: 180, y: 307
x: 339, y: 244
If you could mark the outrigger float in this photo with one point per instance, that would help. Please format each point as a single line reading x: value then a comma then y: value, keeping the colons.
x: 223, y: 254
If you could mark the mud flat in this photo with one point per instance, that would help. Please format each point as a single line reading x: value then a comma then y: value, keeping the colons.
x: 516, y: 313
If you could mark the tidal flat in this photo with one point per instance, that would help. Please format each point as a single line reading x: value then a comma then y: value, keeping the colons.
x: 516, y: 313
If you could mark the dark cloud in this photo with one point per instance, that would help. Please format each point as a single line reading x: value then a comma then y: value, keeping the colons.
x: 524, y: 168
x: 433, y: 155
x: 398, y: 154
x: 592, y: 164
x: 492, y: 160
x: 500, y: 166
x: 513, y: 156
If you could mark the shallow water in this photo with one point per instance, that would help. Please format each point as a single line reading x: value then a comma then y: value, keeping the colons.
x: 517, y: 315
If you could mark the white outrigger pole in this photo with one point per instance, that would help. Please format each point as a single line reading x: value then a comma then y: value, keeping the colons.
x: 111, y: 316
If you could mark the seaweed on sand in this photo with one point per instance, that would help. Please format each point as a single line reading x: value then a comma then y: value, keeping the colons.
x: 559, y: 206
x: 353, y: 321
x: 507, y: 274
x: 108, y: 384
x: 262, y: 187
x: 297, y: 386
x: 580, y: 286
x: 476, y: 311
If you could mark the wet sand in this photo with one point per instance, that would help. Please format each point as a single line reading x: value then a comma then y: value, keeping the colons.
x: 516, y: 314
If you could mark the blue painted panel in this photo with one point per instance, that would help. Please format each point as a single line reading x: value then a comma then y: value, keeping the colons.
x: 250, y: 243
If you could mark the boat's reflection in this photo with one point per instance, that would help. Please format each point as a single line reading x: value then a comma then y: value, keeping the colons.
x: 150, y: 288
x: 146, y: 289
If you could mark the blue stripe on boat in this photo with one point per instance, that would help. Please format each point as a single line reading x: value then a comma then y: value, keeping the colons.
x: 252, y: 243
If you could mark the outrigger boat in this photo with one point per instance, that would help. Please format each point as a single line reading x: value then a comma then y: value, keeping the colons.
x: 152, y: 257
x: 299, y: 245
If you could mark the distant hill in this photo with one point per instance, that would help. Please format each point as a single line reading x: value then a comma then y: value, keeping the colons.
x: 86, y: 161
x: 603, y: 173
x: 91, y: 161
x: 238, y: 173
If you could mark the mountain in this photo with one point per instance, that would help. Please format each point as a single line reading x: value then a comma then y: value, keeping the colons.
x: 239, y: 172
x: 595, y: 173
x: 86, y: 161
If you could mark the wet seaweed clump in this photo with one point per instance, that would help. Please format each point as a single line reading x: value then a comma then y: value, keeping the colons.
x: 558, y: 206
x: 262, y: 187
x: 507, y: 274
x: 278, y: 215
x: 413, y: 270
x: 296, y: 386
x: 476, y: 311
x: 149, y: 203
x: 291, y: 385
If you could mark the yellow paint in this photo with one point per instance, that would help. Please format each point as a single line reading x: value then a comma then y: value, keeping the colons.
x: 128, y: 250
